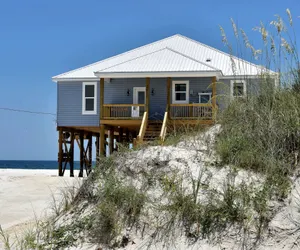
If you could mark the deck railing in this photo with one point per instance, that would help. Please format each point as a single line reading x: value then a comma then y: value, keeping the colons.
x: 123, y: 111
x: 193, y: 111
x: 143, y: 127
x: 163, y: 131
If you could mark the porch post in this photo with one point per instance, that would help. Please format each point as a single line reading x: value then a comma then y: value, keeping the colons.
x: 147, y: 94
x: 168, y: 96
x: 214, y: 100
x: 101, y: 97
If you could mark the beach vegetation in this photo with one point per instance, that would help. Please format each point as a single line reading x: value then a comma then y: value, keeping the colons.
x: 5, y: 239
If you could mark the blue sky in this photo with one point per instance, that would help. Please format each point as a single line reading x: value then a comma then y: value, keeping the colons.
x: 40, y: 39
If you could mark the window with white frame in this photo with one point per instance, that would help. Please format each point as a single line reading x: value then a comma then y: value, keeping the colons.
x: 238, y: 88
x: 89, y: 98
x: 204, y: 97
x: 180, y: 91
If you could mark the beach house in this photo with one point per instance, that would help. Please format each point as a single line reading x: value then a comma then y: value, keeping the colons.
x: 131, y: 97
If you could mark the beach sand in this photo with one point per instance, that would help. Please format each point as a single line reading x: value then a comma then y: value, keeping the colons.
x: 27, y: 194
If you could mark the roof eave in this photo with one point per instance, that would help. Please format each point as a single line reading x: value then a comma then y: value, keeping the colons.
x: 158, y: 74
x: 71, y: 79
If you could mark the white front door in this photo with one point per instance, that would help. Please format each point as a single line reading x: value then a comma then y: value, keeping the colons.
x: 139, y: 97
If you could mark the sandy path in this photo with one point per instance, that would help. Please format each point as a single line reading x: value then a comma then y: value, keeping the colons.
x: 26, y: 193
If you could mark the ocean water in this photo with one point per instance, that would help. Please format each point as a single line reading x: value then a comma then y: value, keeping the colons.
x: 33, y: 164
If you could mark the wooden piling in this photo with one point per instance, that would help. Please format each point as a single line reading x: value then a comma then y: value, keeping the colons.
x: 121, y: 135
x: 81, y: 154
x: 111, y: 141
x: 102, y: 140
x: 60, y: 153
x: 97, y: 146
x: 71, y: 152
x: 89, y: 167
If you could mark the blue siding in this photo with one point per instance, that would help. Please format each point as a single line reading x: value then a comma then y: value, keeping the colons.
x: 198, y: 85
x: 115, y: 92
x: 69, y: 106
x: 223, y: 89
x: 158, y: 101
x: 69, y: 102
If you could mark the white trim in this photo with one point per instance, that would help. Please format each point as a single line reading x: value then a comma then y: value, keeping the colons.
x: 238, y: 81
x: 187, y: 91
x: 200, y: 94
x: 245, y: 77
x: 84, y: 112
x: 135, y: 92
x: 158, y: 74
x: 72, y: 80
x: 219, y: 76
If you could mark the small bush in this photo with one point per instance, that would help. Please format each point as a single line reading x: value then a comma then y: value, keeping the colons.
x: 106, y: 226
x: 5, y: 239
x: 120, y: 207
x: 204, y: 218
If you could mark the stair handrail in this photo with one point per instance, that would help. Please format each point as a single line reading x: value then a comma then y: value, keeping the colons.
x: 163, y: 131
x: 143, y: 127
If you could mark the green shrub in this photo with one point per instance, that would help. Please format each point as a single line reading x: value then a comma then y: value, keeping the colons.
x: 126, y: 198
x: 106, y: 225
x: 120, y: 206
x: 260, y: 133
x: 204, y: 219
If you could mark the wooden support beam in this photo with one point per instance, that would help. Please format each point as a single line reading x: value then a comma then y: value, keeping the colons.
x: 89, y: 166
x: 97, y: 147
x: 66, y: 151
x: 168, y: 95
x: 81, y: 154
x: 147, y: 94
x: 101, y: 97
x: 60, y: 152
x: 102, y: 140
x: 127, y: 135
x: 71, y: 152
x: 111, y: 141
x: 134, y: 140
x: 120, y: 134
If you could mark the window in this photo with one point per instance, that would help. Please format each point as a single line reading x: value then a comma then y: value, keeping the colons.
x: 89, y: 98
x: 204, y: 97
x: 238, y: 88
x: 180, y: 92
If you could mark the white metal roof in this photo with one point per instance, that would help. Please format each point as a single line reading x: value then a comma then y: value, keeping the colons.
x: 173, y: 54
x: 161, y: 60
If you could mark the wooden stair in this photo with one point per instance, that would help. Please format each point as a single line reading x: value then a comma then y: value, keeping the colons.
x: 153, y: 131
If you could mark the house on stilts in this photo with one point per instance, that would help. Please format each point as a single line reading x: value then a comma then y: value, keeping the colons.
x: 132, y: 96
